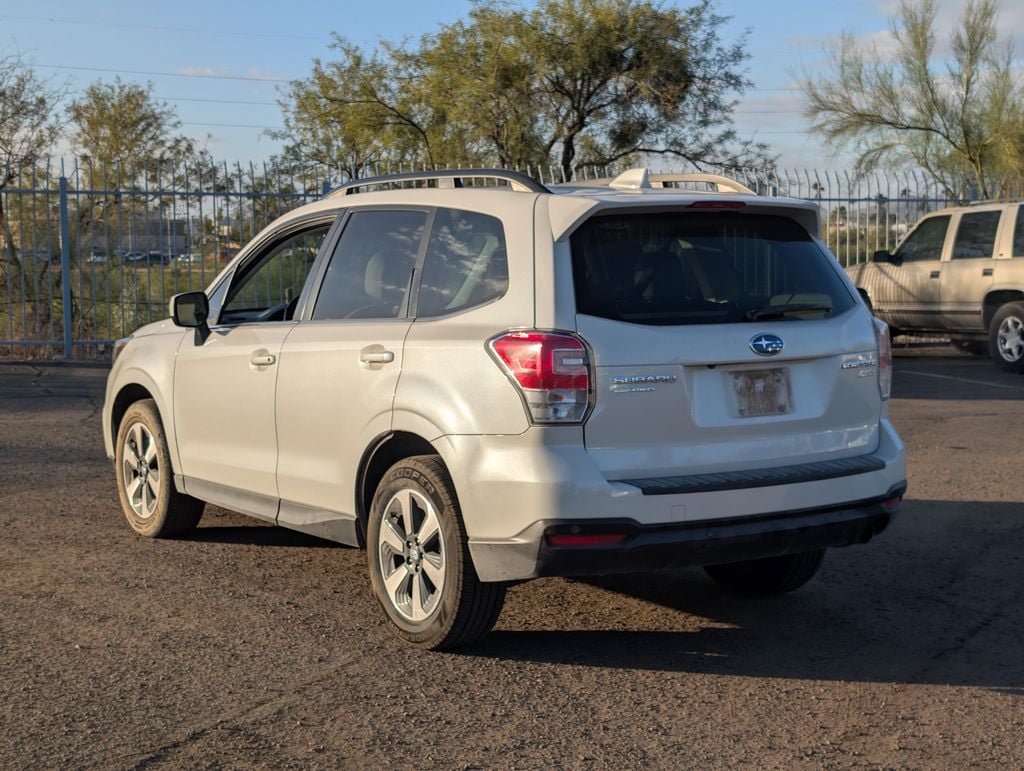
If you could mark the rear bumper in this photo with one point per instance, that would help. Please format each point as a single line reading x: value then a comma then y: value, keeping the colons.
x: 652, y: 548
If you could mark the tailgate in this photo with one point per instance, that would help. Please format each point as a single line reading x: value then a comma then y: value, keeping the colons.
x: 722, y: 341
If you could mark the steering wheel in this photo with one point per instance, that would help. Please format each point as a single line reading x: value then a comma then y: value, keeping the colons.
x: 274, y: 313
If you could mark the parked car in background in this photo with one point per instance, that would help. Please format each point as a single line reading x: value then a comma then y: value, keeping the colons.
x: 97, y: 257
x: 488, y: 384
x: 148, y: 259
x: 959, y: 273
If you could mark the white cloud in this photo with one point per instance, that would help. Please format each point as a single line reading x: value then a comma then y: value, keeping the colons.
x: 197, y: 71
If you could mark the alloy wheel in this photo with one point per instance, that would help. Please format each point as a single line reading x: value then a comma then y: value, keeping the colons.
x: 412, y: 555
x: 1011, y: 339
x: 140, y: 463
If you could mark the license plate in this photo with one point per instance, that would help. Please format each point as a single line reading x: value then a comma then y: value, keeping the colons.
x: 761, y: 392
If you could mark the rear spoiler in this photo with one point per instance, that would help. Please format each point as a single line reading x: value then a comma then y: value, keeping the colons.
x: 568, y: 212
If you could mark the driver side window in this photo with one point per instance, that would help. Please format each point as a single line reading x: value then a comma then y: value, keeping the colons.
x: 925, y: 243
x: 268, y: 289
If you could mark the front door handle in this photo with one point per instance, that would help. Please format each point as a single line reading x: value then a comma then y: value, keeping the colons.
x: 986, y: 272
x: 934, y: 274
x: 376, y: 357
x: 262, y: 359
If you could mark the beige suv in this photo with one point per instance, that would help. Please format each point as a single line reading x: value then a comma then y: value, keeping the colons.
x: 960, y: 273
x: 483, y: 380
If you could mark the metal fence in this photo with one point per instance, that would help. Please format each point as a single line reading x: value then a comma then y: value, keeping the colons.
x: 90, y: 254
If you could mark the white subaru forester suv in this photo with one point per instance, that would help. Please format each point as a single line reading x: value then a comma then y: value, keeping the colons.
x: 483, y: 380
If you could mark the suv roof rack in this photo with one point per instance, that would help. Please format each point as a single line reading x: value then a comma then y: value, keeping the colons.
x: 446, y: 178
x: 996, y: 201
x: 640, y: 178
x: 722, y: 184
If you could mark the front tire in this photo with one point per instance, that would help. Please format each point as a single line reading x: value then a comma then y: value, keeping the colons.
x: 421, y: 572
x: 770, y: 576
x: 145, y: 480
x: 1006, y: 337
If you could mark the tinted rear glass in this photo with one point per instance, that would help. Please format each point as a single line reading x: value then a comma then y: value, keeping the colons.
x: 683, y: 268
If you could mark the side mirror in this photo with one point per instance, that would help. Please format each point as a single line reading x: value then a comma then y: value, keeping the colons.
x: 885, y: 256
x: 191, y: 310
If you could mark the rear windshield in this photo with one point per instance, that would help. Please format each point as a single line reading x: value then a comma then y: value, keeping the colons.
x: 690, y: 268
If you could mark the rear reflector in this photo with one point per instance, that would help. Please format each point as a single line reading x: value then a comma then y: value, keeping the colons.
x: 717, y: 205
x: 586, y: 539
x: 891, y: 504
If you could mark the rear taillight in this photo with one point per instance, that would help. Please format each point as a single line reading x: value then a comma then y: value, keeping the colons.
x: 884, y: 357
x: 552, y: 372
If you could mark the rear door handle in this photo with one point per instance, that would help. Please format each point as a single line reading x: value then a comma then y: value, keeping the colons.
x: 934, y: 274
x: 376, y: 357
x: 986, y: 272
x: 262, y: 359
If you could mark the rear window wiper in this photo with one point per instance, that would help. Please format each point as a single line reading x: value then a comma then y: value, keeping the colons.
x: 779, y: 311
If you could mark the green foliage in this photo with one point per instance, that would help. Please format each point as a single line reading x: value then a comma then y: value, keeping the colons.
x: 121, y: 125
x: 964, y: 122
x: 575, y: 82
x: 28, y: 129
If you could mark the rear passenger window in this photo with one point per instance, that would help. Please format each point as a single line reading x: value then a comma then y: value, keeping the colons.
x: 466, y: 263
x: 369, y: 273
x: 976, y: 235
x: 1018, y: 234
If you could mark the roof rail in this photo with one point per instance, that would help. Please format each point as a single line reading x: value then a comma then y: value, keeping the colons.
x: 445, y: 178
x: 995, y: 200
x: 722, y: 184
x: 640, y: 178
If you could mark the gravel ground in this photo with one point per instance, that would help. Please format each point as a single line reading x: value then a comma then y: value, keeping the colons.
x: 250, y: 646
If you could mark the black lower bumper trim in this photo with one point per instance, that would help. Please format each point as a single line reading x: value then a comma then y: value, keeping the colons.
x: 766, y: 477
x: 711, y: 542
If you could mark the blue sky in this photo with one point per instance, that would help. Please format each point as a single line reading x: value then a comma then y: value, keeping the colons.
x: 220, y: 64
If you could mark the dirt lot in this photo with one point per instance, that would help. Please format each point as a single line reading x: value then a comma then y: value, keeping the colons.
x: 251, y: 646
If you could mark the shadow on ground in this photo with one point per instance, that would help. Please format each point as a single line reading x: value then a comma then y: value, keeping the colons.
x: 874, y: 614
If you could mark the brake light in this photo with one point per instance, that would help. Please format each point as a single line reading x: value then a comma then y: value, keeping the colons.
x: 717, y: 205
x: 552, y: 372
x: 884, y: 357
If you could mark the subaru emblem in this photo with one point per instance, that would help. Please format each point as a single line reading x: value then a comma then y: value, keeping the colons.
x: 766, y: 345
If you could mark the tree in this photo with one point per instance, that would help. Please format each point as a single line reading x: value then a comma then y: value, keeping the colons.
x: 349, y: 112
x: 964, y: 121
x: 619, y: 77
x: 122, y: 126
x: 575, y: 82
x: 28, y: 129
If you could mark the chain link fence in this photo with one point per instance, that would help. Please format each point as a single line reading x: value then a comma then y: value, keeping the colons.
x: 91, y: 253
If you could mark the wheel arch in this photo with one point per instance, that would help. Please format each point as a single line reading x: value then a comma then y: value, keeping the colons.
x: 381, y: 455
x: 126, y: 397
x: 996, y: 299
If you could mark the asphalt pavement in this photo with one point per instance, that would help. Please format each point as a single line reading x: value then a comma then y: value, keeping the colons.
x: 246, y: 645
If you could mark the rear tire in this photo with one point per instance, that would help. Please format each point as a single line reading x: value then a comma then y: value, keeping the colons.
x: 1006, y: 337
x: 421, y: 571
x: 766, y: 577
x: 145, y: 480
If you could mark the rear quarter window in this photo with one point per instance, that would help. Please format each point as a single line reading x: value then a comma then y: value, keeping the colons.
x: 701, y: 268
